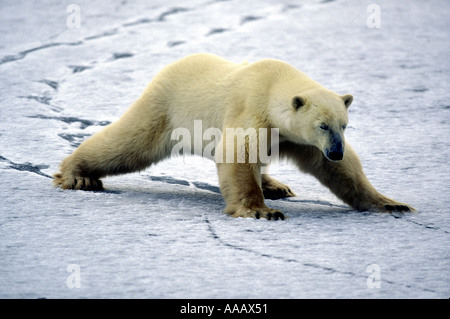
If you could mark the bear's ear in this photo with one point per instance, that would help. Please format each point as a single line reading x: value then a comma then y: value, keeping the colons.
x: 298, y: 102
x: 348, y: 99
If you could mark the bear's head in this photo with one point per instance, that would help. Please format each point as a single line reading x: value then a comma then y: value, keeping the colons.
x: 318, y: 117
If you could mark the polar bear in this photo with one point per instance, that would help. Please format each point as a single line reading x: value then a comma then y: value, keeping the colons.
x: 310, y: 119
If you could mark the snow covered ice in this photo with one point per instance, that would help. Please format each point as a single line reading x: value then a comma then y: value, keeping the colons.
x: 161, y: 233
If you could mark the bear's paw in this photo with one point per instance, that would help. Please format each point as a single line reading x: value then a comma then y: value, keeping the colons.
x: 276, y: 190
x: 257, y: 213
x: 398, y: 208
x: 78, y: 183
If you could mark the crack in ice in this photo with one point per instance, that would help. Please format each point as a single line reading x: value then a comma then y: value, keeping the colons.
x: 329, y: 270
x: 26, y: 167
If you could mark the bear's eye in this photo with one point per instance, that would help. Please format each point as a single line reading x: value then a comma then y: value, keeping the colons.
x: 344, y: 127
x: 324, y: 127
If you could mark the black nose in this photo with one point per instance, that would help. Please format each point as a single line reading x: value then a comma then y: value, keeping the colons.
x: 336, y: 152
x: 336, y: 155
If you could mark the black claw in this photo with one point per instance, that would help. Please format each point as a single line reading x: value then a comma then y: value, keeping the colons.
x: 269, y: 216
x: 257, y: 215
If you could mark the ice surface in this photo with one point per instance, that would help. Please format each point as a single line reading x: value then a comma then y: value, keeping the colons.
x: 162, y: 233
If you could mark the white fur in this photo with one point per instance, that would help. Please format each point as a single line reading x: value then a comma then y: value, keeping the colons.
x: 223, y: 95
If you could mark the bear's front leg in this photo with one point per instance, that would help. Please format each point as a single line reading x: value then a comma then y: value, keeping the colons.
x: 240, y: 185
x: 346, y: 180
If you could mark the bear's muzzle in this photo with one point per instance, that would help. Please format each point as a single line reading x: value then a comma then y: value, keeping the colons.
x: 336, y: 151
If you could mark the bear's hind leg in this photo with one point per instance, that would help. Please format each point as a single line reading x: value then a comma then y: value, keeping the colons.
x: 131, y: 144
